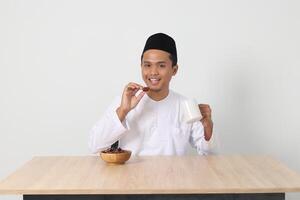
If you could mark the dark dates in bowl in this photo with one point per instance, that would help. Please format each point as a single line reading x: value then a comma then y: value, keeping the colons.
x: 115, y: 156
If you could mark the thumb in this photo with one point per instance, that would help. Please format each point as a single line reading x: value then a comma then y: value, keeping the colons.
x: 140, y: 96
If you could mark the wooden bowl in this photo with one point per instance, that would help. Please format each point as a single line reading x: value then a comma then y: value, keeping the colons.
x: 115, y: 158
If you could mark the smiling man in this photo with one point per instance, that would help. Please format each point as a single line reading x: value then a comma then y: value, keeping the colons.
x: 150, y: 122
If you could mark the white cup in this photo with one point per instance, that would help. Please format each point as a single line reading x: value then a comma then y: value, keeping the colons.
x: 191, y: 111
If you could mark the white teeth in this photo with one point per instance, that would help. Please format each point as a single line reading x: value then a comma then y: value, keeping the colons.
x: 154, y: 80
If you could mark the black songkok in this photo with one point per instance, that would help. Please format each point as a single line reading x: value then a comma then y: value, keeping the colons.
x: 162, y: 42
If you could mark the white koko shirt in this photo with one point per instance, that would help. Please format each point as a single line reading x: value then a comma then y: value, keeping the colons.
x: 151, y: 128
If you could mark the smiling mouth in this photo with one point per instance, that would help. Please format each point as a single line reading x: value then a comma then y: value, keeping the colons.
x: 154, y: 81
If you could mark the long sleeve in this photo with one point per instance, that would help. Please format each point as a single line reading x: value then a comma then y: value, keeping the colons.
x: 197, y: 139
x: 107, y: 130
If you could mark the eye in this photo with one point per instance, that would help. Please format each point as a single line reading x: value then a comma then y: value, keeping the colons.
x: 162, y: 65
x: 146, y: 65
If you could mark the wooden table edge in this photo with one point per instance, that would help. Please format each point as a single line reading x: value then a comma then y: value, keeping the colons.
x: 104, y: 192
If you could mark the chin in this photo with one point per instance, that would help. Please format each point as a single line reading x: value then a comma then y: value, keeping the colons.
x: 155, y: 88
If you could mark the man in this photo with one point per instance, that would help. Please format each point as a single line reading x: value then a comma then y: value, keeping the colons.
x: 150, y: 122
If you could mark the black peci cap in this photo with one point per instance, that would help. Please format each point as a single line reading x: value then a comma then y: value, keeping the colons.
x: 162, y: 42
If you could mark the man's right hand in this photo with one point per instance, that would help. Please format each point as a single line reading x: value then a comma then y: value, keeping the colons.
x: 129, y: 100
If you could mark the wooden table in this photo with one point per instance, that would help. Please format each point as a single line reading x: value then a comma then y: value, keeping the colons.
x: 152, y: 177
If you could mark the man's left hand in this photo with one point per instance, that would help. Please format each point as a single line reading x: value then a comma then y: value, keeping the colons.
x: 206, y: 120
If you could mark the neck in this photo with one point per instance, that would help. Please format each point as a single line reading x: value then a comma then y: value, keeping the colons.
x: 158, y: 95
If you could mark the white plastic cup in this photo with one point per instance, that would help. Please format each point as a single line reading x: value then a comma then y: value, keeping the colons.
x: 191, y: 111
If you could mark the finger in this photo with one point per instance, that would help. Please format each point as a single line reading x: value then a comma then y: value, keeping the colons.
x: 136, y: 85
x: 135, y: 91
x: 137, y: 99
x: 140, y: 87
x: 204, y: 108
x: 132, y: 88
x: 140, y: 96
x: 204, y: 122
x: 203, y: 105
x: 206, y: 116
x: 205, y: 111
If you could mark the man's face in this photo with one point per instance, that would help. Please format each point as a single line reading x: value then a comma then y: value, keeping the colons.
x: 157, y: 70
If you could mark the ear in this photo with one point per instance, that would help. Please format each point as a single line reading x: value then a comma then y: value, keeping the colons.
x: 175, y: 69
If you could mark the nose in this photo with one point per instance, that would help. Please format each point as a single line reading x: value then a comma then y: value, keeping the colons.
x: 154, y: 71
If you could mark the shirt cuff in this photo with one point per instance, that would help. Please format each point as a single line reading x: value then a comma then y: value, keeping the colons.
x: 122, y: 126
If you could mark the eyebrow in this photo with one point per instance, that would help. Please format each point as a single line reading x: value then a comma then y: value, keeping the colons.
x: 159, y: 62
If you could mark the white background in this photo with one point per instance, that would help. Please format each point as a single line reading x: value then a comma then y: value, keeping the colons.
x: 63, y: 61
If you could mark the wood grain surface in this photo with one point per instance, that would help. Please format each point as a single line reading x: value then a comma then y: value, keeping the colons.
x: 152, y: 175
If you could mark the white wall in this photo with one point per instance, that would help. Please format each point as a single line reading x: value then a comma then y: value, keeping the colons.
x: 63, y: 61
